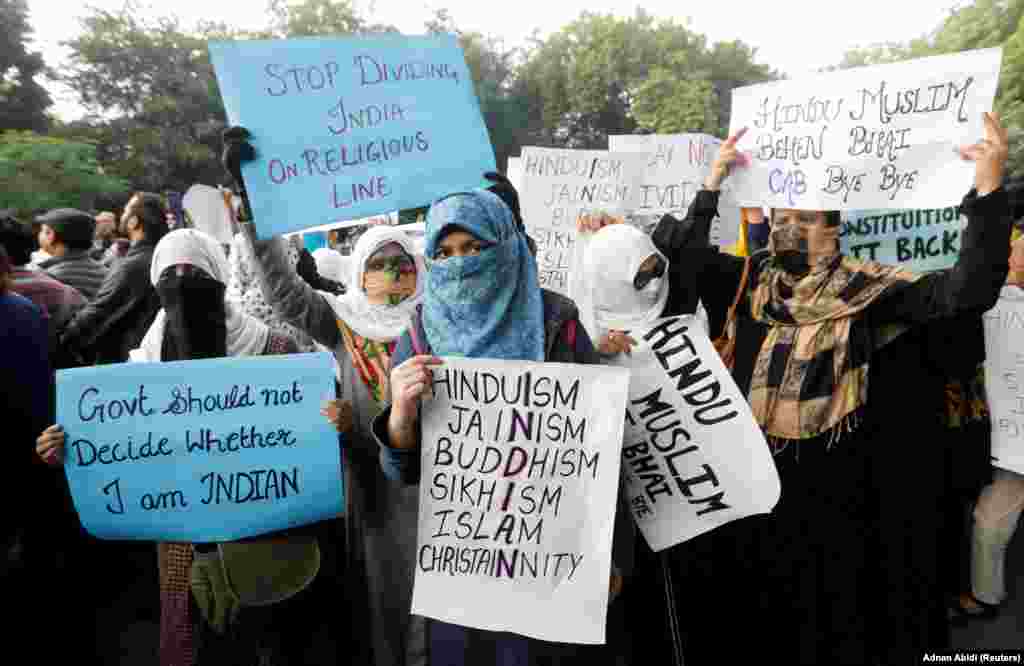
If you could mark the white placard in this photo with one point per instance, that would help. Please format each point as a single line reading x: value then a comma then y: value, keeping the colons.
x: 514, y: 172
x: 1004, y: 378
x: 676, y: 168
x: 693, y: 457
x: 517, y: 497
x: 866, y: 138
x: 559, y: 185
x: 209, y: 212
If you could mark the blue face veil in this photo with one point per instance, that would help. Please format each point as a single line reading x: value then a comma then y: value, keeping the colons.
x: 487, y: 305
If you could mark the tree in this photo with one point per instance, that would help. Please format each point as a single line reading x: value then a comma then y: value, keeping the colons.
x: 604, y: 75
x: 983, y: 24
x: 319, y: 17
x: 667, y: 104
x: 156, y: 109
x: 492, y: 68
x: 23, y: 101
x: 39, y: 172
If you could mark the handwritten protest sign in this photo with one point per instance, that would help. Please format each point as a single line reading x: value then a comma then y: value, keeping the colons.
x: 514, y: 172
x: 1004, y: 378
x: 559, y: 186
x: 517, y: 500
x: 348, y: 128
x: 920, y: 240
x: 198, y: 451
x: 676, y: 168
x: 694, y: 458
x: 865, y: 138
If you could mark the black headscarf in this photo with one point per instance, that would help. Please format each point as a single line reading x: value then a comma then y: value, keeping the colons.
x: 196, y: 315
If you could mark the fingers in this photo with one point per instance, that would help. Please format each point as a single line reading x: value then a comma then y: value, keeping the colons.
x: 971, y: 153
x: 413, y: 379
x: 735, y: 138
x: 994, y: 130
x: 422, y: 360
x: 50, y: 445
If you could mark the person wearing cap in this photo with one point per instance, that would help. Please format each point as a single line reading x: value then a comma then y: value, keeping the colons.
x: 114, y: 322
x: 67, y: 235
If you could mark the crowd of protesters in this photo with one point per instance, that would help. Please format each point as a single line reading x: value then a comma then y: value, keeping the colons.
x: 864, y: 378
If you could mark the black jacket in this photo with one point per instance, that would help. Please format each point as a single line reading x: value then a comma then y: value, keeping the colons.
x: 113, y: 323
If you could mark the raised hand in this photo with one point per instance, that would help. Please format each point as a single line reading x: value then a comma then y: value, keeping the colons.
x: 989, y: 155
x: 238, y: 150
x: 728, y: 155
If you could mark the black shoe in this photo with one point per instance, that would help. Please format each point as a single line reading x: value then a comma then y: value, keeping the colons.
x: 960, y: 616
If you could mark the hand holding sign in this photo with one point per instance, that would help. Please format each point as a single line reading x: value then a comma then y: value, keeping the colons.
x: 728, y: 154
x: 50, y: 445
x: 989, y: 155
x: 410, y: 381
x: 616, y: 342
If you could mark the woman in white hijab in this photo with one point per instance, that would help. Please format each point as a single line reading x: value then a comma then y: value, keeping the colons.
x: 626, y: 287
x: 190, y: 273
x: 384, y: 287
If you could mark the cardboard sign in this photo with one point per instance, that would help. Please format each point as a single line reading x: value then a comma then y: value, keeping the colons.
x: 871, y: 137
x: 1004, y: 378
x: 200, y: 451
x: 919, y: 240
x: 517, y: 498
x: 676, y: 168
x: 558, y: 186
x: 349, y: 128
x: 694, y: 458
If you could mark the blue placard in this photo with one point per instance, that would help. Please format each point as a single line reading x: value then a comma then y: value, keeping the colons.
x: 200, y: 451
x: 918, y: 240
x: 349, y: 128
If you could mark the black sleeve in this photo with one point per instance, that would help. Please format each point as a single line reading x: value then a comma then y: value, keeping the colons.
x: 973, y: 284
x: 697, y: 270
x: 95, y: 315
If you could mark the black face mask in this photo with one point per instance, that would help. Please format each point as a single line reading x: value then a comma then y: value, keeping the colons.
x: 196, y: 317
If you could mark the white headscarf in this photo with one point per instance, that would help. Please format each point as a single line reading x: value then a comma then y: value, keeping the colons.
x: 332, y: 264
x: 380, y: 323
x: 610, y: 263
x: 246, y: 336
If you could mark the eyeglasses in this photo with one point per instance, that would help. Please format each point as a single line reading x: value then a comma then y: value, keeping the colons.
x: 643, y: 278
x: 400, y: 264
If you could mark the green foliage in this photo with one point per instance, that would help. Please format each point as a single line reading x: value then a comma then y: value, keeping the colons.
x: 157, y: 113
x: 23, y: 101
x: 982, y: 24
x: 604, y: 75
x: 40, y: 172
x: 667, y: 104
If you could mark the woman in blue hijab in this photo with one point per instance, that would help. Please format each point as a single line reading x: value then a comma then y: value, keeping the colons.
x: 482, y: 300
